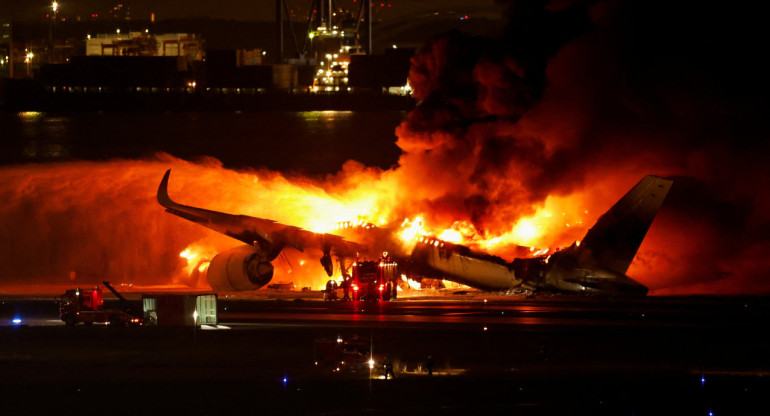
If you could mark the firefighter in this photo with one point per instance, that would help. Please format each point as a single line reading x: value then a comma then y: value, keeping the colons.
x: 429, y: 363
x: 329, y: 291
x: 346, y: 290
x: 388, y: 365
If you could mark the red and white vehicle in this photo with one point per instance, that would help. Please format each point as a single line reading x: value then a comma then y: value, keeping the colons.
x: 87, y: 306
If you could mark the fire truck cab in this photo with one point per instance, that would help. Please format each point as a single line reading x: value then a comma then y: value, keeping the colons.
x: 87, y: 306
x: 374, y: 280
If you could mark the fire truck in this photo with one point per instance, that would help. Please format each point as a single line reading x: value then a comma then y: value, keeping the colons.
x: 351, y: 354
x: 87, y: 306
x: 374, y: 280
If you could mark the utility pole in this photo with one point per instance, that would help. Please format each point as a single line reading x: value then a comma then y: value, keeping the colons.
x: 279, y: 23
x: 282, y: 20
x: 368, y: 13
x: 10, y: 49
x: 55, y: 9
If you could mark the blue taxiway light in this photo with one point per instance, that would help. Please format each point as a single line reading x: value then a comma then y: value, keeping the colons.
x: 16, y: 321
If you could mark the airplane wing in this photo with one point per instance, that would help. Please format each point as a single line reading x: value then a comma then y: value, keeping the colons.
x: 271, y: 236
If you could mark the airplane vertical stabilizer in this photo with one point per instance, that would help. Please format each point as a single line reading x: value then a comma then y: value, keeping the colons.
x: 617, y: 235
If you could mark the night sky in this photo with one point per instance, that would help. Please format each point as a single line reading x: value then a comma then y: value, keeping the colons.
x: 228, y: 9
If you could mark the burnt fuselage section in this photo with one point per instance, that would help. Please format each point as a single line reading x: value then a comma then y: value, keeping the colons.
x: 561, y: 272
x: 459, y: 264
x: 567, y: 271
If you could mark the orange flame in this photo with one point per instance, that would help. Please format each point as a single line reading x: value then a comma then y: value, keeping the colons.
x: 357, y: 197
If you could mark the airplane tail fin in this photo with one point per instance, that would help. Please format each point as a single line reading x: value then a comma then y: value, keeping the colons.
x: 617, y: 235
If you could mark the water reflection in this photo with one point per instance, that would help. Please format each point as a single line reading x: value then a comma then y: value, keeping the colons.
x: 310, y: 142
x: 316, y: 121
x: 46, y: 137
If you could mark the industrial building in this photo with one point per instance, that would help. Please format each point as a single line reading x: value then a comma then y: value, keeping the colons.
x: 333, y: 57
x: 185, y: 45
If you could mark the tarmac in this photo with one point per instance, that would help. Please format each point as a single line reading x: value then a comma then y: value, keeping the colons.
x: 492, y: 354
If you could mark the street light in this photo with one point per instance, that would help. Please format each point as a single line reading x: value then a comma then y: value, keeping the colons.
x: 27, y: 60
x: 55, y: 8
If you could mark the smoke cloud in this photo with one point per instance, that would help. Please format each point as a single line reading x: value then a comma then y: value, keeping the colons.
x: 579, y: 101
x: 552, y: 122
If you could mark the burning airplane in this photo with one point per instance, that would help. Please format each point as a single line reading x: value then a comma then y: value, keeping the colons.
x: 596, y: 265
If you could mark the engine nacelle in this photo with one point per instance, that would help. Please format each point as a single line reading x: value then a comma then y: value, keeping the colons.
x: 240, y: 268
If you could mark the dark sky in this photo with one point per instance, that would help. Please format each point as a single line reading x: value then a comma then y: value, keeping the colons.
x: 228, y: 9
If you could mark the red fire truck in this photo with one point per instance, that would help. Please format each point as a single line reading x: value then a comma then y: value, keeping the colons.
x: 87, y: 306
x: 374, y: 280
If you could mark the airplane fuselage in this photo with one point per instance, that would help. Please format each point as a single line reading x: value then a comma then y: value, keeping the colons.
x: 560, y: 272
x: 597, y: 266
x: 464, y: 268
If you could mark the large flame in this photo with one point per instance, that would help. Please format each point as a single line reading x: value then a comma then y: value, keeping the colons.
x: 104, y: 220
x: 523, y: 141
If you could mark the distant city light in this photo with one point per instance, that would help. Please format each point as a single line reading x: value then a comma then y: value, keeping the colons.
x: 55, y: 6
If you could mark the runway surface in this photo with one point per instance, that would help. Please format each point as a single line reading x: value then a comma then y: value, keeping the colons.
x: 490, y: 355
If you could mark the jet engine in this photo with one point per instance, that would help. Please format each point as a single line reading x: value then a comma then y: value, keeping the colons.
x: 240, y: 268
